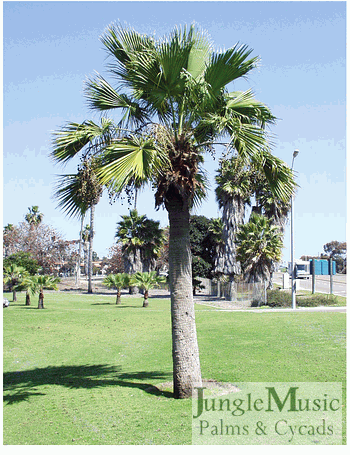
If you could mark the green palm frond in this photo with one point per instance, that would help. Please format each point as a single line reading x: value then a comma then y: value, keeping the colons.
x: 133, y: 160
x: 102, y: 96
x: 68, y: 195
x: 74, y: 137
x: 117, y: 281
x: 147, y: 280
x: 228, y: 66
x: 14, y: 274
x: 46, y: 281
x: 248, y: 109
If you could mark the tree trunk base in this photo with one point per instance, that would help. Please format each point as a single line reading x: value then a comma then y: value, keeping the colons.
x: 186, y: 365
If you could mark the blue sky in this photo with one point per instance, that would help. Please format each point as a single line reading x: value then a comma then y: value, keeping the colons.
x: 49, y: 48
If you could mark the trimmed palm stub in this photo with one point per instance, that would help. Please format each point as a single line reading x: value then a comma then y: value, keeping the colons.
x: 117, y: 281
x: 175, y: 106
x: 147, y: 281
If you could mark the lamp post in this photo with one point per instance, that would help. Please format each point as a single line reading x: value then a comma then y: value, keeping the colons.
x: 294, y: 303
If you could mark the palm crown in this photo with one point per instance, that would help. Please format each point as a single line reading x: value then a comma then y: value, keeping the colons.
x: 173, y: 93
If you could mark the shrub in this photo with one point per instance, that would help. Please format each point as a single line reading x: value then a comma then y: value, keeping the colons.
x: 283, y: 299
x: 316, y: 300
x: 279, y: 299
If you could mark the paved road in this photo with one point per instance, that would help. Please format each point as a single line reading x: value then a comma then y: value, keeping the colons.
x: 322, y: 283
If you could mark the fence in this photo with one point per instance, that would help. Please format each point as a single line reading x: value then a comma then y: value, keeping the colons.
x: 245, y: 294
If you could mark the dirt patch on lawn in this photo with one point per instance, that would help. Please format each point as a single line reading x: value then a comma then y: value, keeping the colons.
x: 214, y: 388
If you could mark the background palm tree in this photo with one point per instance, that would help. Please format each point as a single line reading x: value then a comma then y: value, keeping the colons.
x: 85, y: 240
x: 129, y: 233
x: 147, y: 281
x: 78, y: 193
x: 276, y: 210
x: 259, y: 244
x: 34, y: 217
x: 44, y: 282
x: 69, y: 196
x: 117, y: 281
x: 13, y: 276
x: 172, y: 93
x: 30, y: 285
x: 142, y: 240
x: 233, y: 193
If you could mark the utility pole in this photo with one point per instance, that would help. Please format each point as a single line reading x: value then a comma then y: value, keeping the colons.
x: 294, y: 302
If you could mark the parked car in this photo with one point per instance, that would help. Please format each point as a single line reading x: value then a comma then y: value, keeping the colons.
x: 6, y: 303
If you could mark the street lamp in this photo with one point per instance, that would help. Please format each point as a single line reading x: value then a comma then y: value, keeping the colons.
x: 294, y: 303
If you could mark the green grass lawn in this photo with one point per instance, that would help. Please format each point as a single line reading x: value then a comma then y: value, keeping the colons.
x: 85, y: 371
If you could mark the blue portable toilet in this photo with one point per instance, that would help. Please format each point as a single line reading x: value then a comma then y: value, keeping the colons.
x: 324, y: 267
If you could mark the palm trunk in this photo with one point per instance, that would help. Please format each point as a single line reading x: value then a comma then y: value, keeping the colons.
x: 14, y: 295
x: 27, y: 298
x: 92, y: 216
x: 41, y: 300
x: 232, y: 217
x: 186, y: 366
x: 86, y: 257
x: 134, y: 264
x: 118, y: 297
x: 77, y: 277
x: 145, y: 299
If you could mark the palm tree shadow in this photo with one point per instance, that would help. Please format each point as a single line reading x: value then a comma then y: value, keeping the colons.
x: 20, y: 385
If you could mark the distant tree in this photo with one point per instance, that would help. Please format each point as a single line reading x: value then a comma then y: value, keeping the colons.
x: 259, y: 244
x: 24, y: 260
x: 114, y: 263
x: 44, y: 244
x: 147, y: 281
x: 10, y: 240
x: 204, y: 244
x: 117, y: 281
x: 337, y: 251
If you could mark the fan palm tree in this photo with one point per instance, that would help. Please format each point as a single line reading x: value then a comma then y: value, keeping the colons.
x: 34, y: 217
x: 42, y: 282
x: 153, y: 237
x: 175, y: 105
x: 85, y: 236
x: 76, y: 193
x: 147, y: 281
x: 233, y: 193
x: 118, y: 281
x: 30, y: 285
x: 275, y: 209
x: 259, y: 244
x: 142, y: 240
x: 129, y: 233
x: 13, y: 276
